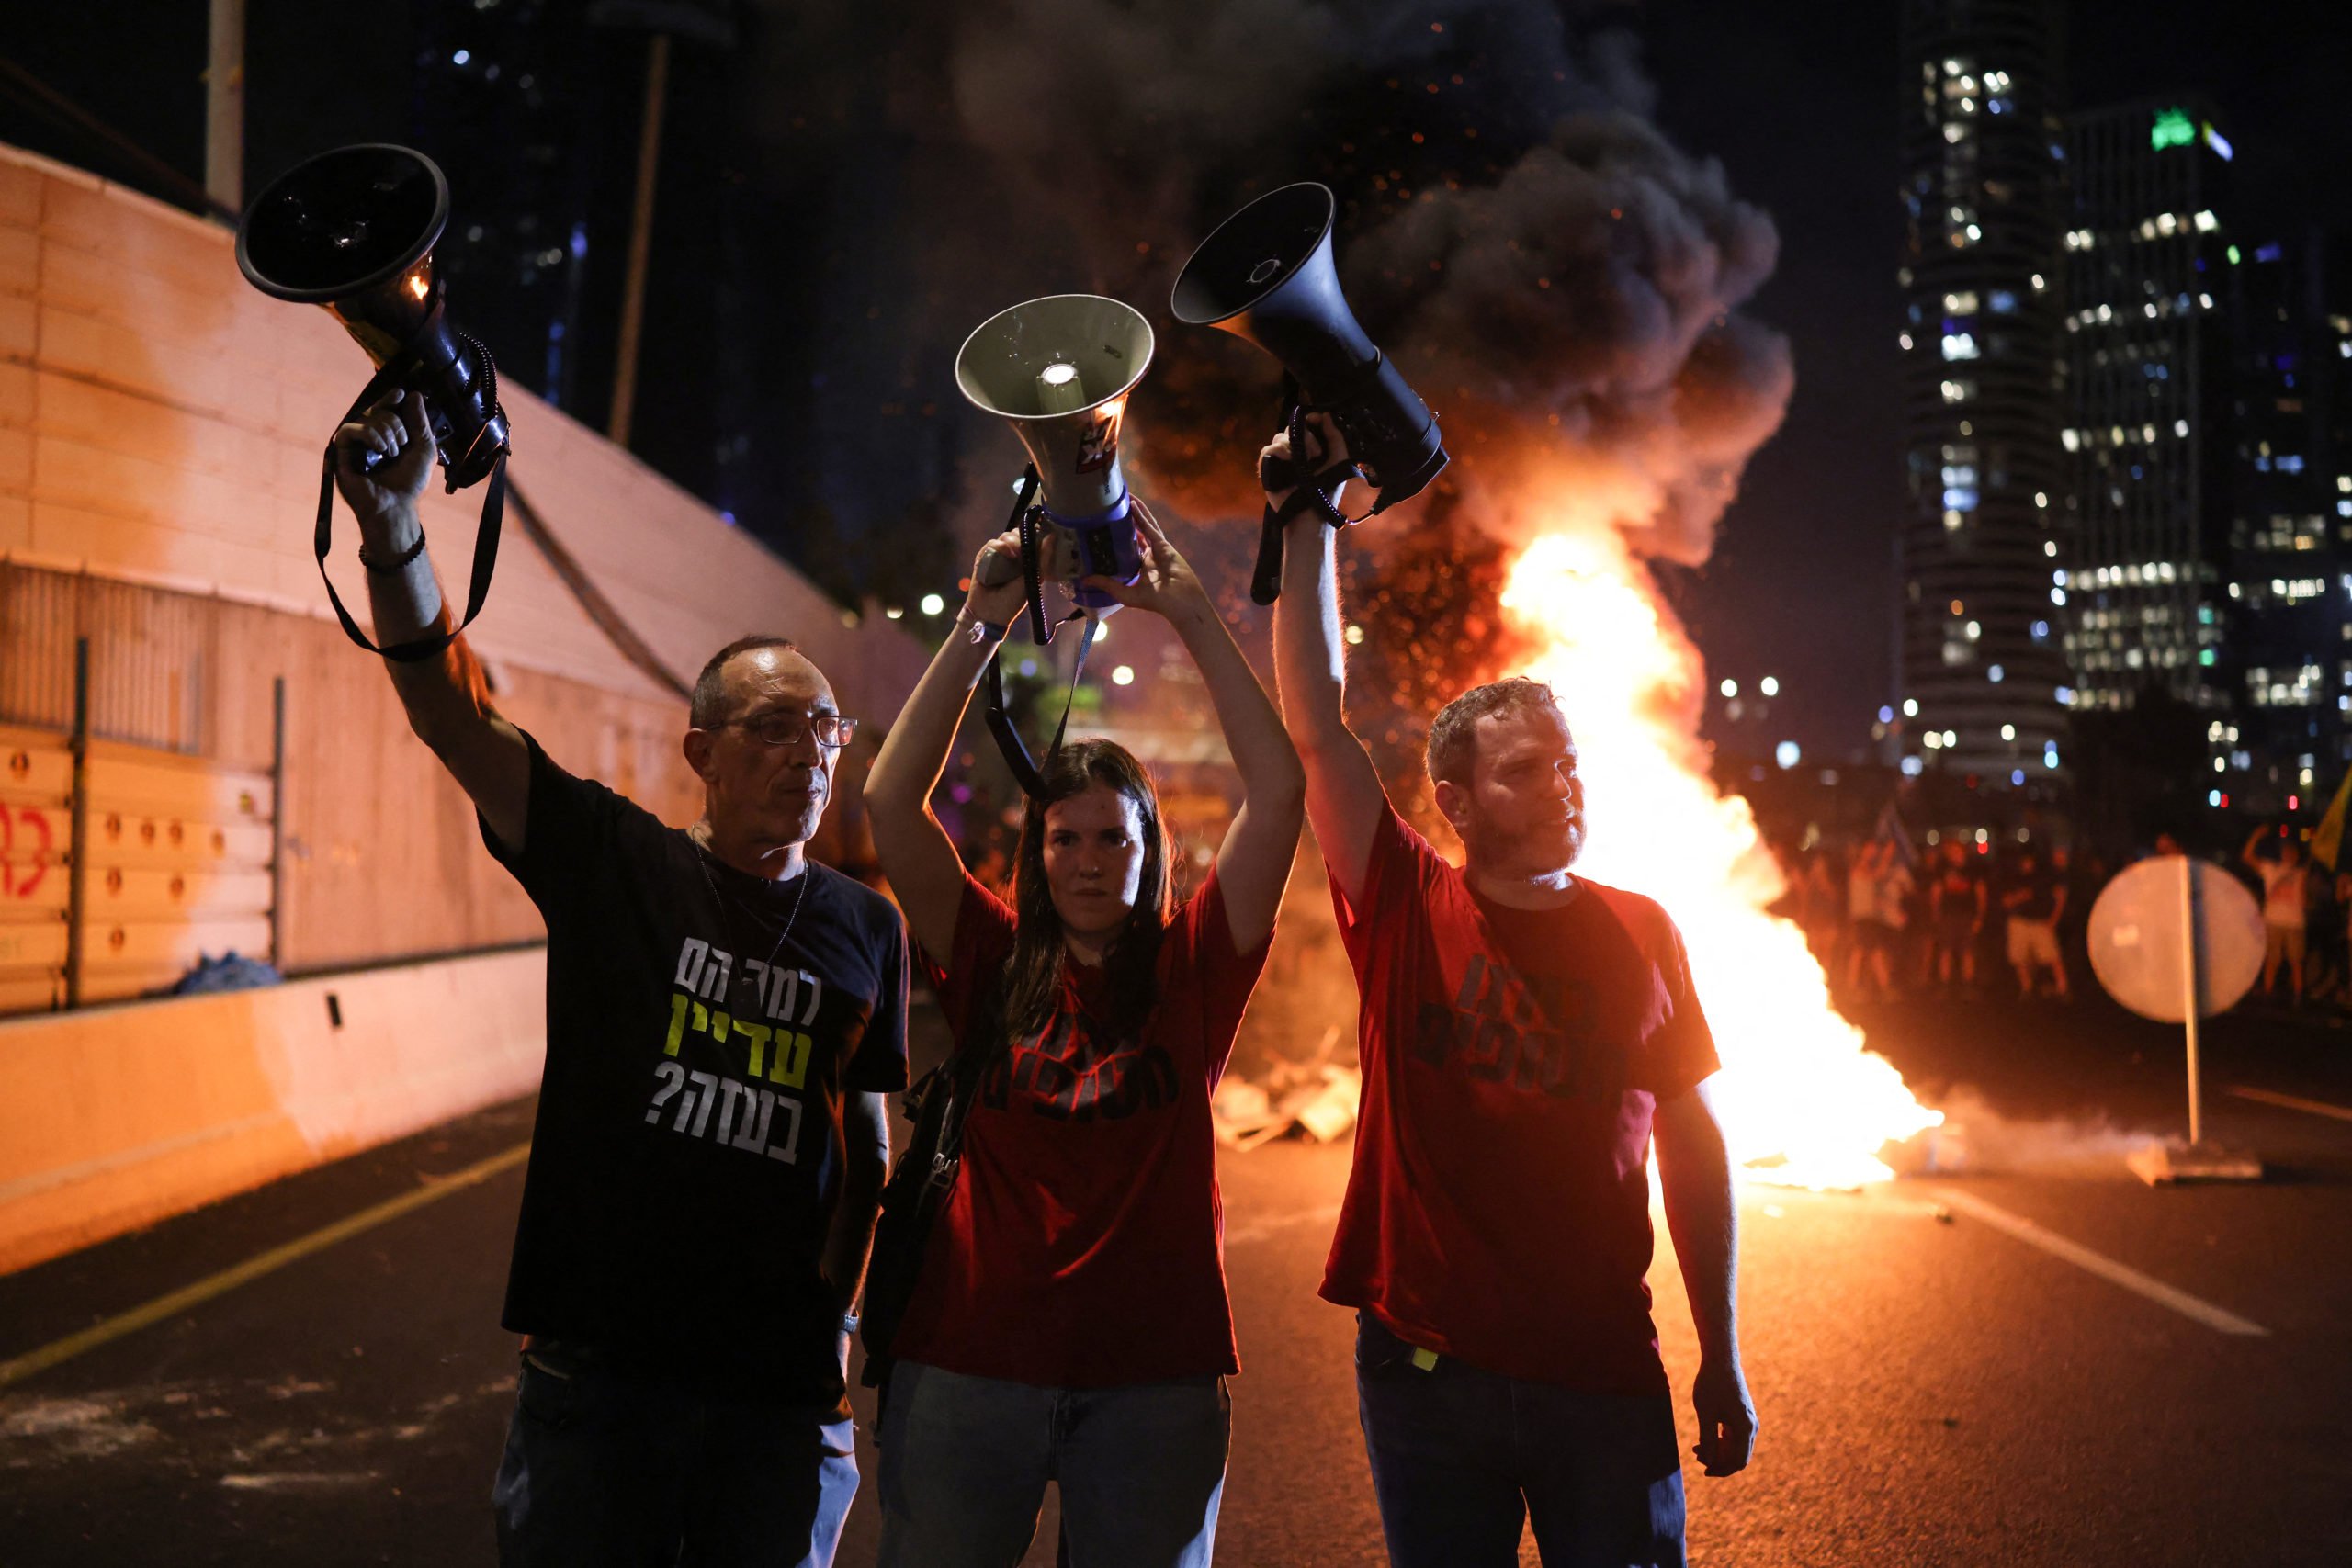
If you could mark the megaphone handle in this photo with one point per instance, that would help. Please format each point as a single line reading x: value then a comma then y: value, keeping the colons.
x: 1041, y: 631
x: 494, y: 511
x: 1266, y: 581
x: 1311, y: 490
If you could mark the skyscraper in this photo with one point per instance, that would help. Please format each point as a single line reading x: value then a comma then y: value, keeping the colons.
x: 2207, y: 555
x: 1983, y: 667
x: 2146, y: 297
x: 2286, y: 621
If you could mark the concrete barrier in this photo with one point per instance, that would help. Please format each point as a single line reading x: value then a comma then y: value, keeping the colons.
x: 115, y: 1117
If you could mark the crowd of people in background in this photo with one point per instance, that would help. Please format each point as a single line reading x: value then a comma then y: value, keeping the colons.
x: 1968, y: 916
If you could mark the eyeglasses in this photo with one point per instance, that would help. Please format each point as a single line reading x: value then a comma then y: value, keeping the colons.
x: 832, y: 731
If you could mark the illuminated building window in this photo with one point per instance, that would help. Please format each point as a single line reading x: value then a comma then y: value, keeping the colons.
x: 1960, y: 345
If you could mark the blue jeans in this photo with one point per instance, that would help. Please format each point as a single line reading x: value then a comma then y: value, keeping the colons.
x: 966, y: 1460
x: 603, y: 1466
x: 1461, y: 1459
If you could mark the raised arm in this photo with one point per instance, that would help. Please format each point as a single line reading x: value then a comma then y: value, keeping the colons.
x: 2253, y: 861
x: 1344, y: 798
x: 1253, y: 864
x: 1695, y: 1179
x: 446, y: 698
x: 925, y: 872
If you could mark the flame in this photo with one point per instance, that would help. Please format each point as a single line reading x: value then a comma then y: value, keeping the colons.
x: 1802, y: 1101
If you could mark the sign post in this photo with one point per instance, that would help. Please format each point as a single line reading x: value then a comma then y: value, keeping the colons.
x: 2173, y: 939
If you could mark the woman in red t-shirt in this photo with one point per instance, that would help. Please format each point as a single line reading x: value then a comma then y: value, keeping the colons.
x: 1070, y: 1321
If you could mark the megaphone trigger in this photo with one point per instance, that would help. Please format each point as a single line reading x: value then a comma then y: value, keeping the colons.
x: 997, y: 570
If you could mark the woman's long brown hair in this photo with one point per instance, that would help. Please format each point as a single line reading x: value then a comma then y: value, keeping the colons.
x: 1031, y: 979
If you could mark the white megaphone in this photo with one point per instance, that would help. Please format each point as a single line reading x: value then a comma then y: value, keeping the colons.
x: 1060, y: 369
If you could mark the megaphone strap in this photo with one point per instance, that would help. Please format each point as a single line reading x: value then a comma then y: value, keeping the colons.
x: 1024, y: 520
x: 494, y: 511
x: 1028, y: 518
x: 1306, y: 489
x: 1022, y: 767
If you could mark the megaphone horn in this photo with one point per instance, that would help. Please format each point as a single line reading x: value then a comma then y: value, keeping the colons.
x: 353, y: 231
x: 1058, y: 370
x: 1266, y: 275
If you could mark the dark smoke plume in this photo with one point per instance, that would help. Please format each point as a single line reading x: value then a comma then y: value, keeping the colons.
x: 1559, y: 281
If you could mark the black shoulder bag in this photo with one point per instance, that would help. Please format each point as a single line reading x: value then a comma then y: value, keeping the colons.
x: 937, y: 1104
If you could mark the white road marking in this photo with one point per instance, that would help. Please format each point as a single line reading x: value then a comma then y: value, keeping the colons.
x: 2272, y: 1097
x: 430, y: 1190
x: 2081, y: 1257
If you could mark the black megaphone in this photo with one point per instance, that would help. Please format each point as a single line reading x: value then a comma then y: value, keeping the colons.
x: 353, y: 231
x: 1265, y: 274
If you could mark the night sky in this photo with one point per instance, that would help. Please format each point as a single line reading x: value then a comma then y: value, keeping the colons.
x: 1798, y: 103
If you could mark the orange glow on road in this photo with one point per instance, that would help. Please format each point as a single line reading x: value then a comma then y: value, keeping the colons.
x: 1803, y: 1103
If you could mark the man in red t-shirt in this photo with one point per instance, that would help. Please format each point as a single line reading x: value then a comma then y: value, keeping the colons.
x: 1523, y: 1031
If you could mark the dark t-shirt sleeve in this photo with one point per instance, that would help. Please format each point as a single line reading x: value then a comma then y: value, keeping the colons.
x: 576, y: 835
x: 1684, y: 1051
x: 880, y: 1065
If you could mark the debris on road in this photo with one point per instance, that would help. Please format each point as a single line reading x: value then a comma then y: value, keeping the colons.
x: 1317, y: 1098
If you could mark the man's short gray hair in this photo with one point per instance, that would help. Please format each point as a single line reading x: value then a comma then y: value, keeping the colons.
x: 708, y: 709
x: 1454, y: 736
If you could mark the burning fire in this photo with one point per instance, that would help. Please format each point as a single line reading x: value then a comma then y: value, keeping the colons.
x: 1803, y: 1103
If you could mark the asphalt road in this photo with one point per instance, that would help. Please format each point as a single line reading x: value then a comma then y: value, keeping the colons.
x: 1973, y: 1366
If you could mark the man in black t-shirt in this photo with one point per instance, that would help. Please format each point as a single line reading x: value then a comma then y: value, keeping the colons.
x: 724, y: 1019
x: 2035, y: 901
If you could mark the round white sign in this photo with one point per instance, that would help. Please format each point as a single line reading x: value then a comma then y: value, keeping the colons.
x: 2135, y: 937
